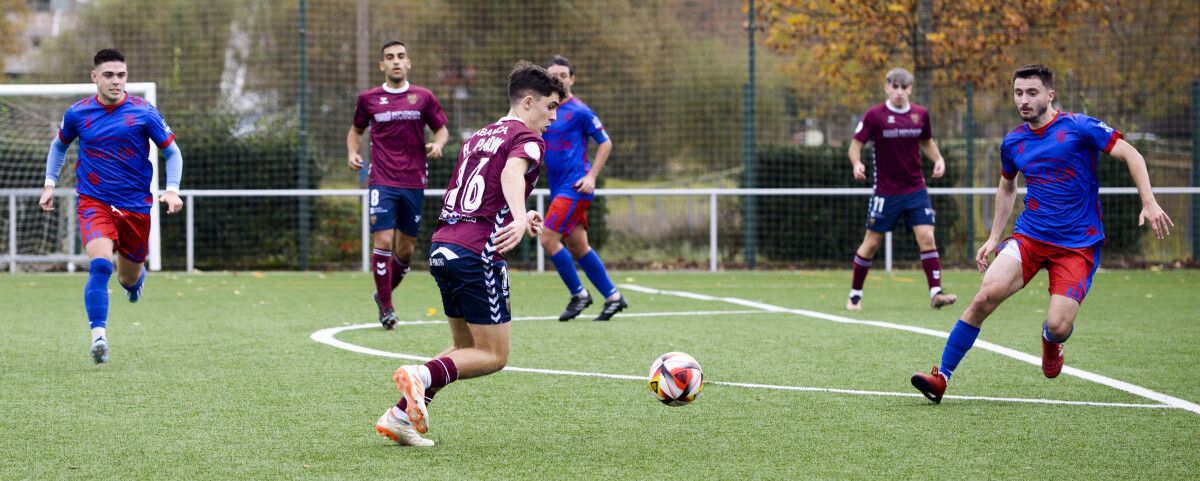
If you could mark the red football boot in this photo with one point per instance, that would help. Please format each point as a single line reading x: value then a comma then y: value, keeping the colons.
x: 1052, y: 358
x: 932, y: 385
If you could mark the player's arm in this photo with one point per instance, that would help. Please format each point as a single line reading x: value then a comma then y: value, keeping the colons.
x: 354, y: 141
x: 512, y: 183
x: 587, y: 184
x: 54, y: 164
x: 174, y: 174
x: 1006, y: 194
x: 930, y: 149
x: 440, y: 137
x: 860, y: 170
x: 1159, y: 221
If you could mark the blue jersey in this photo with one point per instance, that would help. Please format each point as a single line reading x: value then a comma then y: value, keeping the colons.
x: 1062, y: 206
x: 114, y: 165
x: 566, y: 147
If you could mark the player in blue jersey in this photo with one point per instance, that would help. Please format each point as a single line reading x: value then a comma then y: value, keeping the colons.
x: 1060, y: 228
x: 572, y: 184
x: 113, y: 177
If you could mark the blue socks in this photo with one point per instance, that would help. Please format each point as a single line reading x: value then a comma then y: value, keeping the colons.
x: 594, y: 268
x: 962, y: 337
x: 566, y: 270
x: 95, y: 292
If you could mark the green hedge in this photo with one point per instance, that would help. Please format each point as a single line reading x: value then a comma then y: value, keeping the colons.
x: 821, y: 229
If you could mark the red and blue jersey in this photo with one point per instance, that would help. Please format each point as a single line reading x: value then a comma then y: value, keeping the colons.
x: 114, y: 163
x: 1062, y: 206
x: 566, y: 147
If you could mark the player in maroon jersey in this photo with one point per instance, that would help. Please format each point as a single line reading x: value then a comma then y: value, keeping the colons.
x: 483, y: 216
x: 397, y: 113
x: 900, y: 131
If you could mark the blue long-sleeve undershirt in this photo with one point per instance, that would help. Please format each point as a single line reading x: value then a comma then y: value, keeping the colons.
x: 58, y: 156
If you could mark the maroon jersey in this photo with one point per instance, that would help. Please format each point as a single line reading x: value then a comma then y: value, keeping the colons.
x: 897, y: 149
x: 473, y: 207
x: 398, y: 118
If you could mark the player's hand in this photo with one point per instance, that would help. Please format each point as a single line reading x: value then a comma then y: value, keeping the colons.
x: 509, y: 236
x: 535, y: 223
x: 860, y: 171
x: 981, y: 257
x: 586, y: 185
x: 433, y: 150
x: 1159, y: 220
x: 47, y: 200
x: 354, y: 161
x: 174, y: 203
x: 939, y: 168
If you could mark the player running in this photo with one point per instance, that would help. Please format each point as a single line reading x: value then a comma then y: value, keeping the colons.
x: 113, y: 177
x: 397, y: 113
x: 483, y: 216
x: 901, y: 131
x: 572, y: 185
x: 1060, y: 229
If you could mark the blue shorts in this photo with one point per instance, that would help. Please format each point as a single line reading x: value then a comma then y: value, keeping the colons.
x: 472, y: 288
x: 396, y: 208
x: 884, y: 210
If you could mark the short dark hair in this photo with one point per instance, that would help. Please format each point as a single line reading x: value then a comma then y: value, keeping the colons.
x: 108, y: 55
x: 561, y: 60
x: 391, y: 43
x: 528, y: 76
x: 1036, y: 70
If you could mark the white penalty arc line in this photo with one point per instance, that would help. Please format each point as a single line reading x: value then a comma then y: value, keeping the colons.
x: 328, y: 337
x: 1167, y: 401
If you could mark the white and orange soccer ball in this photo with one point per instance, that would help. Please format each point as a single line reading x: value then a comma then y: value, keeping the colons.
x: 676, y: 378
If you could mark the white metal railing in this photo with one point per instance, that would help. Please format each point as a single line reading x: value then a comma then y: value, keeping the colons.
x: 713, y: 195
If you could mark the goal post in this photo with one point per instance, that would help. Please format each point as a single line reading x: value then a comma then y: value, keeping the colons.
x: 147, y: 90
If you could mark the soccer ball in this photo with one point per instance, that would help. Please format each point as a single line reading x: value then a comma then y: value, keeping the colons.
x: 676, y: 378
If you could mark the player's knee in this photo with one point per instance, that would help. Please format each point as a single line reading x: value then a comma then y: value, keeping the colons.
x: 382, y: 241
x: 578, y: 251
x: 985, y: 301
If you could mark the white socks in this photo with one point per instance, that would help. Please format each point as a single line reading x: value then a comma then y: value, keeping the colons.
x: 97, y: 333
x: 423, y: 373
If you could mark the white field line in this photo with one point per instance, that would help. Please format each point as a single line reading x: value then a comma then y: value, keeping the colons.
x: 1171, y: 401
x: 328, y: 337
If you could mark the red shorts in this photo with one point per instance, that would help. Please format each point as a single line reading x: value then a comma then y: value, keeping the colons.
x: 565, y: 213
x: 129, y: 231
x: 1070, y: 269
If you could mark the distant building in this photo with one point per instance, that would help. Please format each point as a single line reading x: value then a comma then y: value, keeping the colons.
x: 47, y: 19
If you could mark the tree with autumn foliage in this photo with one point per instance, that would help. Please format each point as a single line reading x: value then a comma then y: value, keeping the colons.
x: 946, y: 43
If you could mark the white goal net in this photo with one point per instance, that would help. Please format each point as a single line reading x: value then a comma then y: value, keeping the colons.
x: 30, y: 238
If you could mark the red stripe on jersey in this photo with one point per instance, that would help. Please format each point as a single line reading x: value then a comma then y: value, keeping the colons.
x: 168, y: 141
x: 1112, y: 141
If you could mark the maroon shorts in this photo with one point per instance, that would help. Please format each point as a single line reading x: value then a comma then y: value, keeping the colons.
x: 565, y: 213
x: 129, y: 231
x: 1070, y: 269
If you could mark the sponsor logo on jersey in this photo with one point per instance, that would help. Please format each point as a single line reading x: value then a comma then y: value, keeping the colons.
x: 398, y: 115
